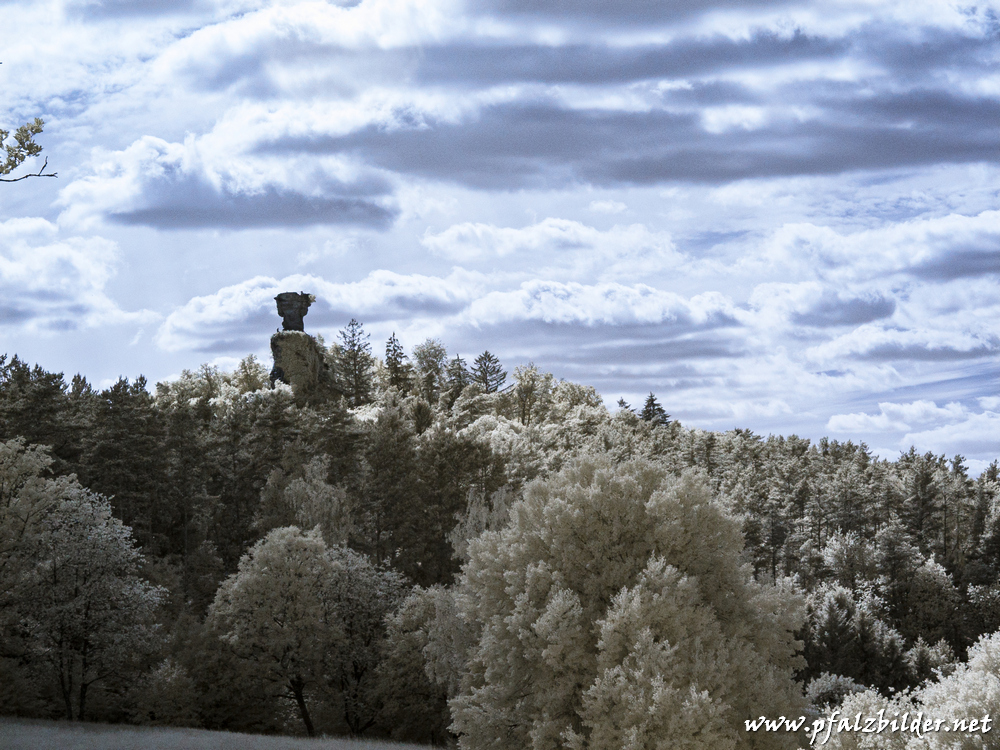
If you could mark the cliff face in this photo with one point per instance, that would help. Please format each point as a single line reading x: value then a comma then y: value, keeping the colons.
x: 299, y: 362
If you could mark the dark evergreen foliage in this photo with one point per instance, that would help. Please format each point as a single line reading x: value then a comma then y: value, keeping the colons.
x: 653, y: 413
x: 399, y: 369
x: 356, y: 363
x: 488, y: 372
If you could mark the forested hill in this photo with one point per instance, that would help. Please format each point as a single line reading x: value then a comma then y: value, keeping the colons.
x: 400, y: 467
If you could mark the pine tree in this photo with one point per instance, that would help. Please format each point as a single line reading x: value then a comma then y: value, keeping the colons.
x: 457, y: 376
x: 653, y: 412
x: 395, y: 362
x: 356, y: 363
x: 488, y: 372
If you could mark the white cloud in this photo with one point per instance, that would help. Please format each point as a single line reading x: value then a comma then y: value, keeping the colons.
x: 53, y: 284
x: 950, y: 429
x: 599, y: 304
x: 607, y: 207
x: 234, y: 316
x: 560, y: 246
x: 874, y: 342
x: 898, y: 417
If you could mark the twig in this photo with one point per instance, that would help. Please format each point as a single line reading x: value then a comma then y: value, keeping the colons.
x: 39, y: 173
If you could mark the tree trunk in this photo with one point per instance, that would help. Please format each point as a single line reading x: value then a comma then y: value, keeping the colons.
x: 297, y: 684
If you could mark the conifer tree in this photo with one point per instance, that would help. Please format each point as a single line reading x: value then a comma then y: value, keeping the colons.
x: 457, y: 376
x: 653, y: 412
x: 356, y: 363
x: 397, y: 366
x: 488, y: 372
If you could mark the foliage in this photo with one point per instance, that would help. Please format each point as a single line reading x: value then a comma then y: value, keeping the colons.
x: 23, y: 147
x: 400, y: 371
x: 898, y: 560
x: 614, y: 611
x: 488, y: 372
x: 276, y: 613
x: 654, y: 413
x: 356, y: 363
x: 90, y: 616
x: 430, y: 358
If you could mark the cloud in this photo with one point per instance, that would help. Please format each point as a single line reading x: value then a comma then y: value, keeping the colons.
x: 490, y: 62
x: 600, y: 304
x: 553, y: 244
x: 818, y: 305
x: 599, y: 13
x: 607, y: 207
x: 832, y: 310
x: 873, y: 343
x: 102, y: 9
x: 237, y: 318
x: 530, y: 143
x: 54, y: 285
x: 934, y: 248
x: 898, y: 417
x: 183, y: 186
x: 951, y: 429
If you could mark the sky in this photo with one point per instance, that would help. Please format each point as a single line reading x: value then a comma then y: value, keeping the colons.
x: 781, y: 216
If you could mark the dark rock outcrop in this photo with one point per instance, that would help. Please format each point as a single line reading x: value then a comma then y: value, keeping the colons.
x: 292, y: 307
x: 299, y: 359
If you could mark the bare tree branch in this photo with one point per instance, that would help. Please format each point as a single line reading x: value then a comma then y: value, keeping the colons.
x: 40, y: 173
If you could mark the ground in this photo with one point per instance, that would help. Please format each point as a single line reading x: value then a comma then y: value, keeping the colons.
x: 18, y: 734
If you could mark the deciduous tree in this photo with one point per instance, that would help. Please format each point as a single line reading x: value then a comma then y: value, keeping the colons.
x: 615, y: 613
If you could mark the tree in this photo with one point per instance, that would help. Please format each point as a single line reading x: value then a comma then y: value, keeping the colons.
x: 532, y: 393
x: 415, y: 703
x: 356, y: 363
x: 615, y: 612
x: 26, y: 498
x: 276, y: 613
x: 363, y: 596
x: 488, y: 372
x: 389, y: 484
x: 22, y: 148
x: 395, y: 363
x: 35, y: 405
x: 309, y: 620
x: 430, y: 357
x: 457, y: 377
x: 90, y: 616
x: 124, y: 457
x: 654, y: 413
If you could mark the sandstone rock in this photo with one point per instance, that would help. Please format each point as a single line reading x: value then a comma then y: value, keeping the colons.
x: 292, y: 307
x: 299, y: 361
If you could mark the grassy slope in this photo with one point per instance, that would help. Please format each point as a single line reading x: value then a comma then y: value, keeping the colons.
x: 18, y: 734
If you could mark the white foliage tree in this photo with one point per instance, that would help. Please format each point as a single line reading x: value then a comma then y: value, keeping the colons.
x: 26, y: 496
x: 90, y: 615
x: 972, y: 691
x: 276, y: 613
x: 614, y: 612
x: 310, y: 620
x: 315, y: 502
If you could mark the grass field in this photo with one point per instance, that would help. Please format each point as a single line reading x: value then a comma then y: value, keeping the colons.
x: 19, y: 734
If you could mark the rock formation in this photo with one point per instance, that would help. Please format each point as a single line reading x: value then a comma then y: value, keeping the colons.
x: 299, y: 360
x: 292, y: 307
